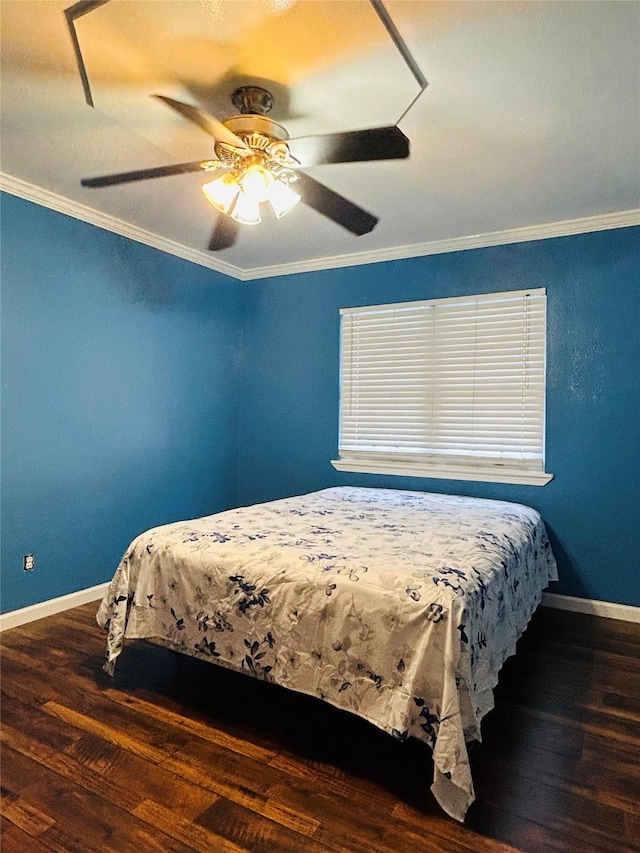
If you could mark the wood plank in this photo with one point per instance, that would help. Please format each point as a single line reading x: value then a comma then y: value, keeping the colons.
x: 526, y: 834
x: 143, y: 746
x: 191, y: 726
x: 439, y: 825
x: 587, y: 722
x: 263, y: 790
x: 405, y: 838
x: 15, y: 840
x: 85, y: 823
x: 588, y: 780
x: 632, y: 830
x: 25, y: 816
x: 561, y: 811
x: 518, y: 729
x: 109, y: 770
x: 254, y: 831
x: 622, y: 758
x: 61, y: 764
x: 100, y: 768
x: 199, y: 838
x: 247, y: 783
x: 19, y: 716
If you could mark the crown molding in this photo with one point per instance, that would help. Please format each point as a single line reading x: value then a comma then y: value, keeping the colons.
x: 46, y: 198
x: 562, y: 228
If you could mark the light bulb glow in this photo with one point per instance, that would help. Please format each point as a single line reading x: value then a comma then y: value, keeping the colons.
x: 222, y: 192
x: 256, y: 183
x: 246, y: 210
x: 282, y: 198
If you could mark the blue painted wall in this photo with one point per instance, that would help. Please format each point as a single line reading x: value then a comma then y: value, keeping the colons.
x: 288, y: 430
x: 120, y: 372
x: 128, y: 401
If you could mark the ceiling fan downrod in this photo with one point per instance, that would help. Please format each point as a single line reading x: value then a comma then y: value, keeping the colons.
x: 252, y: 100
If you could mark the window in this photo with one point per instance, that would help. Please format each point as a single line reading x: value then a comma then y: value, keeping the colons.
x: 451, y: 388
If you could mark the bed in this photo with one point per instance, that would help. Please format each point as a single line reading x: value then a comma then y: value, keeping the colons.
x: 398, y: 606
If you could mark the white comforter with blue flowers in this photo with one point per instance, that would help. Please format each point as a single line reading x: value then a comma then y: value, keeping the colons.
x: 399, y: 606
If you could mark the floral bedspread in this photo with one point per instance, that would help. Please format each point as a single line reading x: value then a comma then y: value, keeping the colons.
x: 398, y: 606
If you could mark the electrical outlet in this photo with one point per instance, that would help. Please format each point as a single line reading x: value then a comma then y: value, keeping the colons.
x: 28, y: 562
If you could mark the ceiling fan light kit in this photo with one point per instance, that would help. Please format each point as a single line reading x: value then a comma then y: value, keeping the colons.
x: 261, y: 171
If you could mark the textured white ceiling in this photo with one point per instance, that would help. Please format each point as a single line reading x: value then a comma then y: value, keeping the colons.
x: 531, y: 116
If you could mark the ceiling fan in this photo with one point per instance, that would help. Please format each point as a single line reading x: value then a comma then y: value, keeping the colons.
x: 257, y: 164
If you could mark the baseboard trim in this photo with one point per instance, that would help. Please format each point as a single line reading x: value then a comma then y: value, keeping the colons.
x: 608, y: 609
x: 15, y: 618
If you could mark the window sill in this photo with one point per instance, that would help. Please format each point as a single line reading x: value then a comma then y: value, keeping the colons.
x: 420, y: 469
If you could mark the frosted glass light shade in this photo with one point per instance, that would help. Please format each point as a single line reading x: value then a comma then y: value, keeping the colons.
x: 256, y: 183
x: 282, y: 198
x: 221, y: 193
x: 246, y: 210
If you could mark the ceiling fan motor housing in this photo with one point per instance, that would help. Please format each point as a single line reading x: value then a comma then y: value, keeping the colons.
x: 245, y: 125
x: 252, y: 125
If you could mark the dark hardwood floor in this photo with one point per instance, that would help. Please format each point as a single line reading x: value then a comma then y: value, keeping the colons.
x: 178, y: 755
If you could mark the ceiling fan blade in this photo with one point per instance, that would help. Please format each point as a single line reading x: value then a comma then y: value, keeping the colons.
x: 376, y: 143
x: 334, y: 206
x: 206, y: 122
x: 224, y: 234
x: 144, y: 174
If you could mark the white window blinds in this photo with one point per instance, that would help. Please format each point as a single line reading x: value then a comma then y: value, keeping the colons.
x: 452, y: 382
